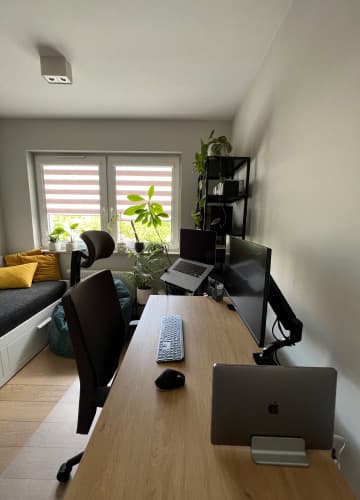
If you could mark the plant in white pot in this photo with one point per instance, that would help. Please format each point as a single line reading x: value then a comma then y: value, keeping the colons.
x: 149, y: 213
x: 71, y: 233
x: 148, y: 265
x: 54, y: 238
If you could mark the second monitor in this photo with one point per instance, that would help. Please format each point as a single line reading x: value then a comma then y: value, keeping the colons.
x: 251, y: 288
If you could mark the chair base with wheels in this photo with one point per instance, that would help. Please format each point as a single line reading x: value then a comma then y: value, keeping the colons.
x: 64, y: 472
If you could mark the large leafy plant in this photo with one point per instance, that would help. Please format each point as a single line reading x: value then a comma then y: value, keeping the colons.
x: 148, y: 212
x: 148, y: 265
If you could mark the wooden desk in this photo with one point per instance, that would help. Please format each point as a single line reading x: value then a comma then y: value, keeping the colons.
x: 156, y: 445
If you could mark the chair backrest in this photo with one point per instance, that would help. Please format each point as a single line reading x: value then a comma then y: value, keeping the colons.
x: 97, y: 330
x: 100, y: 245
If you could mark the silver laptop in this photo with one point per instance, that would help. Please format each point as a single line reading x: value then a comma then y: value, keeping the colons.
x: 197, y: 256
x: 187, y: 274
x: 279, y: 401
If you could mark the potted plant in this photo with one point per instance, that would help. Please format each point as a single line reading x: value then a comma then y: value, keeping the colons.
x: 54, y: 237
x: 148, y: 265
x: 215, y: 146
x: 147, y: 212
x: 71, y: 233
x: 218, y: 146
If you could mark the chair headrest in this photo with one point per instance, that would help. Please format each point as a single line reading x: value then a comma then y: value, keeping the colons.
x: 99, y: 244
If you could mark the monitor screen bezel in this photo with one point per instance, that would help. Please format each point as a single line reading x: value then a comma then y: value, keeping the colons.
x: 260, y: 340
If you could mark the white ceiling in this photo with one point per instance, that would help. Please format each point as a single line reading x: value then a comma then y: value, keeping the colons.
x: 135, y: 58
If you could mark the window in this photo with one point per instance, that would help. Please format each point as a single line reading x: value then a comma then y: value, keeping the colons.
x: 92, y: 190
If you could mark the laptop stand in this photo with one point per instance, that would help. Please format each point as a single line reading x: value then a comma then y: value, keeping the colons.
x: 275, y: 450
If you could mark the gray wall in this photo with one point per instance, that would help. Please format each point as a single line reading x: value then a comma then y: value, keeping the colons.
x: 301, y: 122
x: 2, y: 235
x: 19, y: 136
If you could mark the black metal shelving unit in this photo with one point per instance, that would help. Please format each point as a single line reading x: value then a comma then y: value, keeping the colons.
x: 230, y: 211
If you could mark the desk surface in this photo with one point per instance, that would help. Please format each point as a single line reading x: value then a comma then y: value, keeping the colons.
x: 156, y: 445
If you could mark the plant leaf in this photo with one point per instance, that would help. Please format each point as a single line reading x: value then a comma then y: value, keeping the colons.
x: 135, y: 197
x: 131, y: 210
x: 156, y: 207
x: 163, y: 214
x: 139, y: 217
x: 151, y: 192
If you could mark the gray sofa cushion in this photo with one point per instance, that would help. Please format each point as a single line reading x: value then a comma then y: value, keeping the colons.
x: 18, y: 305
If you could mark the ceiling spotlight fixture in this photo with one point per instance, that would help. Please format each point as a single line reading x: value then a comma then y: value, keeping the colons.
x: 55, y: 69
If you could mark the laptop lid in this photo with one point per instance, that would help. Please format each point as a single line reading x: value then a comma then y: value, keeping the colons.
x: 198, y: 245
x: 273, y: 401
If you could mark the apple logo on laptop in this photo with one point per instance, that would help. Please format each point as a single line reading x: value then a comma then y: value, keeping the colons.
x: 273, y: 408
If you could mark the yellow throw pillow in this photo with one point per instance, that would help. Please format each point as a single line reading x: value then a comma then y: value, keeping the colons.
x: 17, y: 276
x: 48, y: 266
x: 14, y: 259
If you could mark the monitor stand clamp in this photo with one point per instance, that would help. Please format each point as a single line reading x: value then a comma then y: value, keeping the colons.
x: 266, y: 357
x: 274, y: 450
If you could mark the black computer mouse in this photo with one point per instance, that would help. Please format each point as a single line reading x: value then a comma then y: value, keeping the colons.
x: 170, y: 379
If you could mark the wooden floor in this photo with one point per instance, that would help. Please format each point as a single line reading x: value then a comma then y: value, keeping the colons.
x: 38, y: 411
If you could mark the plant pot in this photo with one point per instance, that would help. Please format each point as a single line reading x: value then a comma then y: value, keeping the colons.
x: 142, y: 295
x: 70, y: 246
x: 121, y: 247
x: 139, y: 246
x: 59, y: 245
x: 52, y: 246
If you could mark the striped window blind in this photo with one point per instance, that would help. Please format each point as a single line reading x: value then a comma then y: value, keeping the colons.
x: 137, y: 179
x: 72, y: 189
x: 90, y: 189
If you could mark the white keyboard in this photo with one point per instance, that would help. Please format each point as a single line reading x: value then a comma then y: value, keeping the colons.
x: 171, y: 339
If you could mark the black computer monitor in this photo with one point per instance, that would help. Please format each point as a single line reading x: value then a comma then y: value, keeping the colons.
x: 246, y: 279
x: 198, y: 245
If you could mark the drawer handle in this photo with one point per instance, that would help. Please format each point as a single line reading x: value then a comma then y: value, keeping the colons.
x: 44, y: 323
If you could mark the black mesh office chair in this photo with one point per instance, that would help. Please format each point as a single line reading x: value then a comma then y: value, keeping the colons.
x: 97, y: 330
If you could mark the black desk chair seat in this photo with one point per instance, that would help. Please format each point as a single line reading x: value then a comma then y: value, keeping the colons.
x: 97, y: 331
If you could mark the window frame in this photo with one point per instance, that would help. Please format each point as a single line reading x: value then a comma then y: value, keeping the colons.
x: 107, y: 185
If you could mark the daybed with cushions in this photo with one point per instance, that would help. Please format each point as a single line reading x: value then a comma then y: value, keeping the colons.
x: 25, y: 308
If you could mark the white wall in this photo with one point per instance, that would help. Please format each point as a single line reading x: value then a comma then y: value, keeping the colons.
x: 300, y: 121
x: 19, y: 136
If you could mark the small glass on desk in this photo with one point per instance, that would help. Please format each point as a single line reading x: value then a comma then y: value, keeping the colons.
x: 216, y: 289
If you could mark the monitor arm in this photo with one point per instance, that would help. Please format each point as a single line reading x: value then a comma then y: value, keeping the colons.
x: 287, y: 318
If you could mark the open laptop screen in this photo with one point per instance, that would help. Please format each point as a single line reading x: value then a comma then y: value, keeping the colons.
x: 198, y: 245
